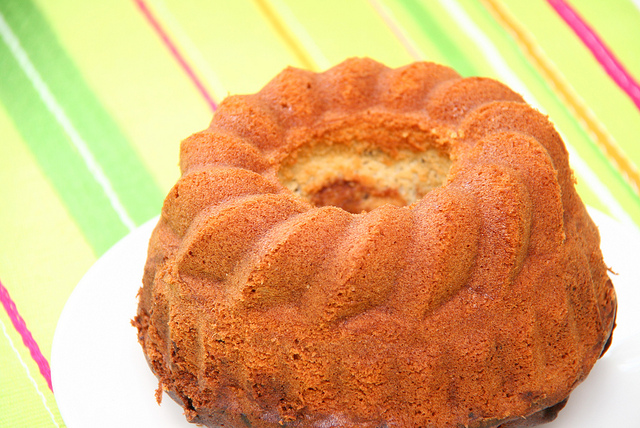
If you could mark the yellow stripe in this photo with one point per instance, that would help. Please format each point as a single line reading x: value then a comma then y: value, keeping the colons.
x: 569, y: 96
x: 287, y: 35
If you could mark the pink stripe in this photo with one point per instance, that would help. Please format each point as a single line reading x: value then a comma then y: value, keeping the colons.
x: 605, y: 57
x: 27, y: 338
x: 176, y: 53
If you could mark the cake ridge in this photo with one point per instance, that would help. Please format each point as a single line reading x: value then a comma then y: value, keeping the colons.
x: 275, y: 247
x: 223, y: 148
x: 231, y: 182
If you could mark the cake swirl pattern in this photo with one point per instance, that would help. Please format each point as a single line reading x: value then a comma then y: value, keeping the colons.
x: 464, y: 286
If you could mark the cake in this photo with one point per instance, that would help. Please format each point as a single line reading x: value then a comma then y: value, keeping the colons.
x: 374, y: 247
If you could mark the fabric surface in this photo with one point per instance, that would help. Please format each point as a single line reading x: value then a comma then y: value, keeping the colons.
x: 96, y: 96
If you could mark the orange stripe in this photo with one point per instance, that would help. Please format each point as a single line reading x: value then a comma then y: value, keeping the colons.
x: 554, y: 77
x: 289, y: 38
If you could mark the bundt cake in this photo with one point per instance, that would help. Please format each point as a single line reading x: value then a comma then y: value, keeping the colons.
x: 374, y: 247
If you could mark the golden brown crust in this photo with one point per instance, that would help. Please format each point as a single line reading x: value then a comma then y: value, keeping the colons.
x: 480, y: 303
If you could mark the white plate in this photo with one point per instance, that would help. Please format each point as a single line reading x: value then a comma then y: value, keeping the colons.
x: 101, y: 379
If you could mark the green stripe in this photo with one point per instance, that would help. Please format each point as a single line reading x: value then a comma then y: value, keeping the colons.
x: 58, y: 159
x: 448, y: 48
x: 135, y: 187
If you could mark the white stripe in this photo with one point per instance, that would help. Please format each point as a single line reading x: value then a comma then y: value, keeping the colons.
x: 636, y: 3
x: 56, y: 110
x: 392, y: 22
x: 492, y: 54
x: 598, y: 187
x: 189, y: 48
x: 26, y: 369
x: 301, y: 33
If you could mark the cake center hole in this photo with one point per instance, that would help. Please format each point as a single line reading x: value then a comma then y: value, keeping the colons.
x: 360, y: 177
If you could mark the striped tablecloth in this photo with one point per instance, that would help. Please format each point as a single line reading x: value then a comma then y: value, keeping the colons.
x: 96, y: 96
